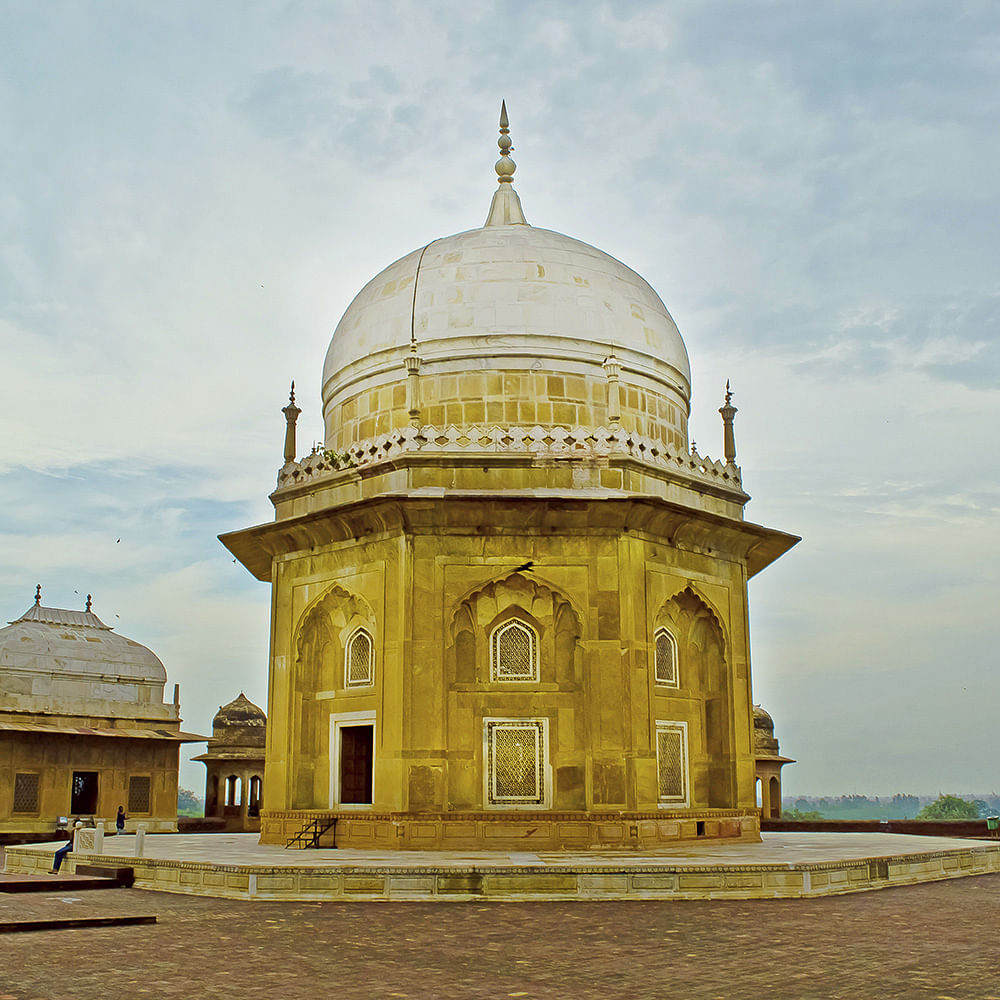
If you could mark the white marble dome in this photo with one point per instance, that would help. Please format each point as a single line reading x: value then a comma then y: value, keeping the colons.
x: 502, y: 291
x: 61, y: 654
x: 506, y: 298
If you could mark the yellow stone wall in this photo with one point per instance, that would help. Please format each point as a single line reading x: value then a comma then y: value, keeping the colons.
x: 431, y: 587
x: 506, y: 398
x: 115, y: 759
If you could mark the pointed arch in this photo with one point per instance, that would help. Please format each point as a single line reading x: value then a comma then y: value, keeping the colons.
x: 702, y: 672
x: 533, y: 622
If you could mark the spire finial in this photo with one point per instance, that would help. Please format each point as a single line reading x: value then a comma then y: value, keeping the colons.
x: 506, y: 207
x: 89, y: 602
x: 38, y: 595
x: 505, y: 166
x: 291, y: 413
x: 728, y: 412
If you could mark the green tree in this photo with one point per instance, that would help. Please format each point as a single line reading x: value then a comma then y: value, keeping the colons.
x: 801, y: 814
x: 188, y: 804
x: 949, y: 807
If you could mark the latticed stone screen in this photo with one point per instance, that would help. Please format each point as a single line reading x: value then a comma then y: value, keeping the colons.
x: 671, y: 762
x: 359, y: 659
x: 515, y: 761
x: 138, y: 793
x: 25, y: 793
x: 514, y: 654
x: 666, y: 658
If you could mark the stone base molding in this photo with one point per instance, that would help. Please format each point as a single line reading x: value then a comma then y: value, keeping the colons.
x: 521, y: 830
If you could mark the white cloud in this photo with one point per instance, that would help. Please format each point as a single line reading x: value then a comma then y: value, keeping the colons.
x: 811, y: 189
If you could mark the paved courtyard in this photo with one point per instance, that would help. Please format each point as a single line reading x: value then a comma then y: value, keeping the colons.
x: 936, y: 940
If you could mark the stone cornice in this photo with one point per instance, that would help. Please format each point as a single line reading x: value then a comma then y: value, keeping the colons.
x: 585, y: 511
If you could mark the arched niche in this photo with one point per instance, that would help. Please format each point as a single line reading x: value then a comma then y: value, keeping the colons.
x: 320, y: 659
x: 547, y: 612
x: 703, y: 673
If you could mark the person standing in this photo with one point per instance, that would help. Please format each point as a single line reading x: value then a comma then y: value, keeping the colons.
x: 120, y: 820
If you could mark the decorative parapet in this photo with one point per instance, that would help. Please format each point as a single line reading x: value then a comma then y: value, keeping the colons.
x: 543, y: 443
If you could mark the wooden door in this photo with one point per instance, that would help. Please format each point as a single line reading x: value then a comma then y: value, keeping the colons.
x: 356, y: 752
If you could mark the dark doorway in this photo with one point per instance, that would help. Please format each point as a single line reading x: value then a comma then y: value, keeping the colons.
x: 356, y: 763
x: 83, y: 801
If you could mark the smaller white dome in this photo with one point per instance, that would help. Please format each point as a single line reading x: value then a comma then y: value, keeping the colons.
x: 53, y: 652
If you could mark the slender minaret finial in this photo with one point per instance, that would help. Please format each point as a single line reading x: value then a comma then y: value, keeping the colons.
x: 505, y: 166
x: 89, y: 602
x: 38, y: 595
x: 612, y: 369
x: 728, y: 412
x: 506, y: 208
x: 291, y: 413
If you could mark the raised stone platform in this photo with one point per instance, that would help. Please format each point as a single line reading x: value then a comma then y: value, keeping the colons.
x: 782, y: 865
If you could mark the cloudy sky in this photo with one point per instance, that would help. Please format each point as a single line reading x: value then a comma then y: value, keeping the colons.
x: 192, y: 193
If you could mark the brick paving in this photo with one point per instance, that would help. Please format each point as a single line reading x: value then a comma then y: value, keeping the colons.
x: 936, y: 940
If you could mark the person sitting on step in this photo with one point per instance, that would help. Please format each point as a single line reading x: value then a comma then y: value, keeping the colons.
x: 65, y: 849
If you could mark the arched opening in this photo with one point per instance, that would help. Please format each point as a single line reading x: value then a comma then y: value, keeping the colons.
x: 665, y: 658
x: 358, y: 660
x: 253, y: 799
x: 774, y: 794
x: 759, y: 793
x: 234, y: 792
x: 514, y: 652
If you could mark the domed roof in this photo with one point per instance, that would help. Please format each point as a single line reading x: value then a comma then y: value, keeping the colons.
x: 78, y: 653
x: 761, y: 719
x: 240, y: 723
x: 507, y: 296
x: 239, y: 712
x: 508, y: 290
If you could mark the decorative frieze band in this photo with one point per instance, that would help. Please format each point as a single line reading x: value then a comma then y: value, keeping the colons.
x: 541, y: 442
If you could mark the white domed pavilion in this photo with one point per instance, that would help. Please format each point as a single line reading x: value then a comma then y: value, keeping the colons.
x: 84, y: 725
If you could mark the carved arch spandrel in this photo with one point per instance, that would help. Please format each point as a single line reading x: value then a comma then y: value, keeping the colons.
x: 693, y: 606
x: 321, y: 635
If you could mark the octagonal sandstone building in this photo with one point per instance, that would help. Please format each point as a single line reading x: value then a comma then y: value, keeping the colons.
x: 509, y: 600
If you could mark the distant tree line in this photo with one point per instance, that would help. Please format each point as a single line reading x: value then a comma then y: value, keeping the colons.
x: 189, y: 804
x: 898, y: 807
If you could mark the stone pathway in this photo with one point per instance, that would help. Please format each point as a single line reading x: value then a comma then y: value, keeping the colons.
x: 924, y: 942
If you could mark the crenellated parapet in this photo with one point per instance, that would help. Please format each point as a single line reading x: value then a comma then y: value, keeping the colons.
x: 542, y: 443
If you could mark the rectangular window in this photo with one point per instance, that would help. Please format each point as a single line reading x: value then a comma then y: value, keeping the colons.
x: 516, y: 758
x: 25, y: 793
x: 139, y: 793
x: 672, y: 763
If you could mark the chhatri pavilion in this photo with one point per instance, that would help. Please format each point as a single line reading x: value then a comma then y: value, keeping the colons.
x: 509, y: 598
